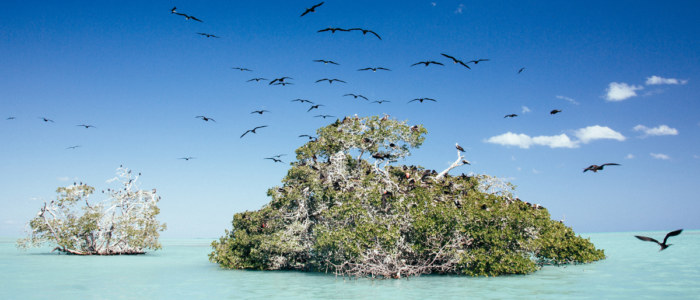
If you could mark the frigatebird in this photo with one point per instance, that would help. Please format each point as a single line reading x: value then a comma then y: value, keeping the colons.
x: 308, y: 136
x: 73, y: 147
x: 663, y: 244
x: 187, y: 17
x: 274, y: 159
x: 281, y: 79
x: 455, y: 60
x: 554, y: 111
x: 333, y: 29
x: 330, y: 80
x: 252, y: 130
x: 314, y: 107
x: 477, y: 61
x: 205, y: 119
x: 10, y: 118
x: 279, y: 155
x: 241, y: 69
x: 422, y: 99
x: 207, y: 35
x: 356, y: 96
x: 302, y: 101
x: 311, y: 9
x: 426, y: 63
x: 283, y: 83
x: 511, y: 116
x: 186, y: 158
x: 257, y: 79
x: 459, y: 147
x: 86, y: 126
x: 596, y: 168
x: 521, y: 70
x: 325, y: 62
x: 323, y: 116
x: 374, y: 69
x: 365, y: 31
x: 380, y: 101
x: 46, y: 119
x: 259, y: 111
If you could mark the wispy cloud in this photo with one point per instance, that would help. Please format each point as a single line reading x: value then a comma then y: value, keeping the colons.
x: 460, y: 9
x: 656, y: 131
x: 597, y: 132
x: 655, y: 80
x: 629, y: 156
x: 526, y: 109
x: 618, y: 91
x: 660, y: 156
x: 433, y: 4
x: 584, y: 135
x: 570, y: 100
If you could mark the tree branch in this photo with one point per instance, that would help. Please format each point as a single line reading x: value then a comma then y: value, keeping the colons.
x: 459, y: 162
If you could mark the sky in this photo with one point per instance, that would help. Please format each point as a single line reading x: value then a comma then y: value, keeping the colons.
x: 623, y: 73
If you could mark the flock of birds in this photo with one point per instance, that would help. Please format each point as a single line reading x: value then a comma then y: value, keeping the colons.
x: 285, y: 80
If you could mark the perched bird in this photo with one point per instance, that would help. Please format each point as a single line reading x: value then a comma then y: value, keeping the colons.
x: 663, y: 244
x: 414, y: 128
x: 205, y: 119
x: 73, y: 147
x: 186, y: 158
x: 465, y: 162
x: 426, y: 63
x: 356, y: 96
x: 380, y: 101
x: 323, y: 116
x: 253, y: 130
x: 374, y: 69
x: 455, y: 60
x: 422, y: 99
x: 259, y: 111
x: 330, y: 80
x: 86, y: 126
x: 325, y: 62
x: 274, y: 159
x: 207, y: 35
x: 281, y: 79
x: 257, y: 79
x: 311, y: 9
x: 242, y: 69
x: 554, y: 111
x: 521, y: 70
x: 302, y: 100
x: 46, y: 119
x: 459, y: 147
x: 596, y: 168
x: 511, y: 116
x: 314, y: 107
x: 365, y: 31
x: 477, y: 61
x: 333, y: 29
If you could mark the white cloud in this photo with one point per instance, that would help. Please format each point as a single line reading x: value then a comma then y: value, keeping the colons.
x: 629, y: 156
x: 597, y: 132
x: 525, y: 141
x: 433, y: 3
x: 660, y: 156
x: 654, y: 80
x: 526, y: 109
x: 618, y: 91
x: 571, y: 100
x: 555, y: 141
x: 460, y: 9
x: 656, y: 131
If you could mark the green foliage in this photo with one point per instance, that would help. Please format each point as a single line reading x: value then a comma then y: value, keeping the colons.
x: 369, y: 218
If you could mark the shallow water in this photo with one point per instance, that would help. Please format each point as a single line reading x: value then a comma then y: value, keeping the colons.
x: 633, y: 269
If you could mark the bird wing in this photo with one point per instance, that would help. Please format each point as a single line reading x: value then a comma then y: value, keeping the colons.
x: 364, y: 69
x: 322, y: 79
x: 420, y: 62
x: 412, y: 100
x: 381, y: 68
x: 363, y: 97
x: 256, y: 128
x: 462, y: 63
x: 435, y: 63
x: 375, y: 34
x: 317, y: 5
x: 648, y: 239
x: 448, y: 56
x: 246, y: 132
x: 672, y: 233
x: 338, y: 80
x: 193, y: 18
x: 322, y: 30
x: 610, y: 164
x: 430, y: 99
x: 306, y: 12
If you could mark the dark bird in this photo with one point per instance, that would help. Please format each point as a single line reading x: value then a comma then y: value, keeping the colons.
x: 596, y: 168
x: 426, y: 63
x: 521, y: 70
x: 477, y: 61
x: 253, y: 130
x: 422, y: 99
x: 374, y: 69
x: 186, y: 158
x: 414, y: 128
x: 308, y: 136
x: 86, y: 126
x: 172, y: 10
x: 282, y: 83
x: 73, y: 147
x: 511, y: 116
x: 323, y: 116
x: 207, y: 35
x: 314, y: 107
x: 325, y: 62
x: 459, y: 147
x: 279, y: 155
x: 281, y: 79
x: 46, y: 119
x: 274, y: 159
x: 10, y: 118
x: 302, y: 100
x: 205, y: 119
x: 311, y: 9
x: 554, y: 111
x: 187, y: 17
x: 259, y: 111
x: 257, y: 79
x: 380, y: 101
x: 356, y: 96
x: 330, y: 80
x: 365, y: 31
x: 663, y: 245
x: 242, y: 69
x: 455, y: 60
x: 333, y: 29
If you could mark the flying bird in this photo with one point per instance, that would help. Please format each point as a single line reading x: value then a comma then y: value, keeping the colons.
x: 356, y: 96
x: 73, y: 147
x: 365, y: 31
x: 663, y: 244
x: 426, y: 63
x: 554, y: 111
x: 46, y: 119
x: 314, y: 107
x: 477, y: 61
x: 596, y: 168
x: 374, y: 69
x: 279, y: 155
x: 521, y: 70
x: 274, y: 159
x: 325, y: 62
x: 281, y: 79
x: 511, y: 116
x: 333, y: 29
x: 259, y: 111
x: 187, y: 17
x: 422, y: 99
x: 380, y: 101
x: 308, y: 136
x: 205, y: 119
x: 207, y: 35
x: 302, y: 100
x: 86, y: 126
x: 242, y: 69
x: 455, y: 60
x: 10, y: 118
x: 186, y: 158
x: 311, y: 9
x: 283, y: 83
x: 323, y: 116
x: 252, y: 130
x: 257, y: 79
x: 330, y: 80
x: 459, y: 147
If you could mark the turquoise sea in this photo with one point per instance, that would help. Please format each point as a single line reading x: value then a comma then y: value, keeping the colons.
x: 633, y: 269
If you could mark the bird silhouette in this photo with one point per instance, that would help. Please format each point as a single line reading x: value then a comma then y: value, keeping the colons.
x: 186, y: 158
x: 428, y: 62
x: 455, y: 60
x: 325, y: 62
x: 422, y: 99
x: 257, y: 79
x: 330, y: 80
x: 274, y: 159
x: 279, y: 155
x: 205, y: 119
x: 311, y: 9
x: 242, y: 69
x: 459, y: 147
x: 187, y: 17
x: 308, y: 136
x: 323, y: 116
x: 554, y: 111
x: 73, y: 147
x: 374, y: 69
x: 86, y: 126
x: 511, y: 116
x: 521, y: 70
x: 207, y: 35
x: 283, y: 83
x: 46, y: 120
x: 663, y: 244
x: 477, y: 61
x: 302, y: 101
x: 281, y: 79
x: 380, y: 101
x: 596, y: 168
x: 356, y: 96
x: 259, y: 111
x: 365, y: 31
x: 252, y: 130
x: 10, y: 118
x: 314, y: 107
x: 333, y: 29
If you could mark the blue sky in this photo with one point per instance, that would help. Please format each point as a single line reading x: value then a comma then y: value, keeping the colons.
x: 624, y: 75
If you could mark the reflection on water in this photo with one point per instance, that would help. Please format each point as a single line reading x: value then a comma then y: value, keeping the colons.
x: 181, y: 271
